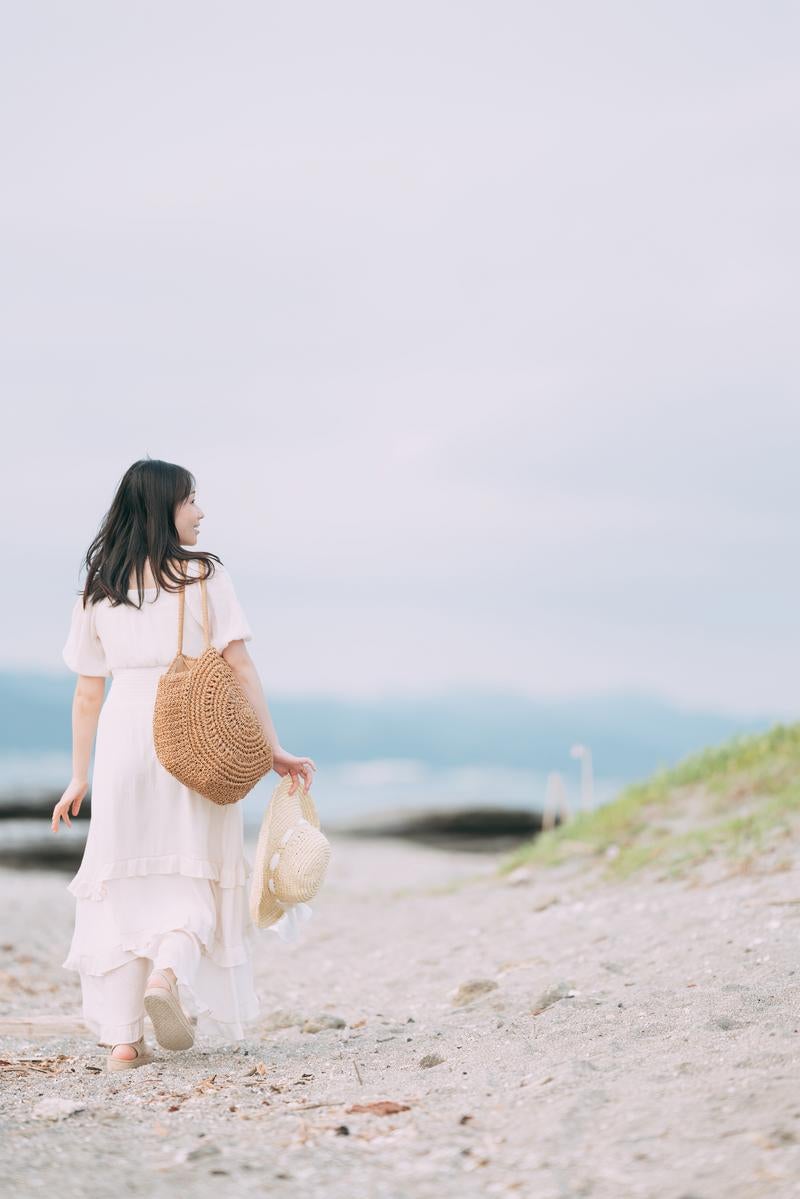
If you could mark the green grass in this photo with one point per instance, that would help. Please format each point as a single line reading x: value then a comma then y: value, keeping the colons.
x: 729, y: 800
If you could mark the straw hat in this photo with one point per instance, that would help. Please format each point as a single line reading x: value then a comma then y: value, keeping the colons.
x: 291, y: 858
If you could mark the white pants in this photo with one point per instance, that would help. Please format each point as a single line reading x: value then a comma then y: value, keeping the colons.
x: 113, y: 1003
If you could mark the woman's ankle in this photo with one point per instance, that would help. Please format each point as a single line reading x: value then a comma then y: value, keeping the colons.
x: 170, y: 973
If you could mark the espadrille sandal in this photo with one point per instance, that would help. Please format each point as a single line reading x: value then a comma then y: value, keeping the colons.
x: 143, y: 1056
x: 170, y: 1024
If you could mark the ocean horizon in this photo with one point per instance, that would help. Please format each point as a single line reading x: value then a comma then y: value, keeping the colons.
x: 346, y: 791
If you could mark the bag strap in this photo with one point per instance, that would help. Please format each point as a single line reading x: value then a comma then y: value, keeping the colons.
x: 181, y: 605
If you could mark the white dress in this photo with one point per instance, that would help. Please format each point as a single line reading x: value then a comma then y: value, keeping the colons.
x: 159, y: 857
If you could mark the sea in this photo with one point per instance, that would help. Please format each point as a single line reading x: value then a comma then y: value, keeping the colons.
x: 345, y: 792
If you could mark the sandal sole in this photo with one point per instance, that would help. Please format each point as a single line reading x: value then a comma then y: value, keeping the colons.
x: 172, y: 1029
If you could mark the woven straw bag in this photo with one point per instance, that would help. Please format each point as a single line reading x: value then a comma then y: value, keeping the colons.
x: 206, y: 732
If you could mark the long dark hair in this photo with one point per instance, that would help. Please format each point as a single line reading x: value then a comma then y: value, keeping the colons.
x: 140, y: 524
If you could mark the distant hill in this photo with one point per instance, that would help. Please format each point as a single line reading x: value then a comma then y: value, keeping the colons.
x: 630, y: 735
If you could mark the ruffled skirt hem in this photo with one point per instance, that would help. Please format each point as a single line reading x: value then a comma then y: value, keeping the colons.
x: 211, y: 953
x: 145, y: 945
x: 91, y: 883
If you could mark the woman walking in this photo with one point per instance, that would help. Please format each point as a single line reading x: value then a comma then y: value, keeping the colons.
x: 161, y: 915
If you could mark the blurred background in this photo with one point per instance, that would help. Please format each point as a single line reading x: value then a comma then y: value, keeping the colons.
x: 476, y: 327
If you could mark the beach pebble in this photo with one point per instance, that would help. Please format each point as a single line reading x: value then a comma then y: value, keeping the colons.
x: 726, y: 1023
x: 196, y: 1154
x: 522, y: 874
x: 53, y: 1107
x: 431, y: 1059
x: 317, y: 1023
x: 281, y: 1019
x: 560, y: 990
x: 473, y: 990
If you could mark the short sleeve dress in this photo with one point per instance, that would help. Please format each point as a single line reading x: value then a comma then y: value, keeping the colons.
x: 159, y: 857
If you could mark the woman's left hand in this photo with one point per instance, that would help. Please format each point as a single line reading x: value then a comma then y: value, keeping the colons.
x: 284, y: 763
x: 71, y: 798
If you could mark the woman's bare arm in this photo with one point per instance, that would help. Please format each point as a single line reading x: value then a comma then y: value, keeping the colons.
x: 239, y: 660
x: 86, y: 704
x: 283, y: 763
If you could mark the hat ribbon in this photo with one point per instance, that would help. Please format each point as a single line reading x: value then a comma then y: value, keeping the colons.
x: 295, y: 915
x: 275, y: 859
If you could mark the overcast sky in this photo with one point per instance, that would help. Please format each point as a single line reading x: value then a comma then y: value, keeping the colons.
x: 476, y: 323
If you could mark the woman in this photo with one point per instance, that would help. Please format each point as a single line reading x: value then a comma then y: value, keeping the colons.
x: 161, y: 916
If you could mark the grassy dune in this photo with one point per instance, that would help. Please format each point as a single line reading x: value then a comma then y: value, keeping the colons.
x: 734, y: 801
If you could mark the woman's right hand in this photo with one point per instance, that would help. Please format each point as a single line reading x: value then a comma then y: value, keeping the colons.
x: 71, y: 798
x: 284, y: 763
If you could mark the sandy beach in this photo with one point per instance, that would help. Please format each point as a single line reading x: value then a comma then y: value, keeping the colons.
x: 441, y: 1031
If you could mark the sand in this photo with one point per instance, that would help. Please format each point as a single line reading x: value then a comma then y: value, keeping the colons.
x: 548, y: 1035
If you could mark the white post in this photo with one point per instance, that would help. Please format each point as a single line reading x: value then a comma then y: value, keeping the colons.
x: 555, y: 801
x: 584, y: 755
